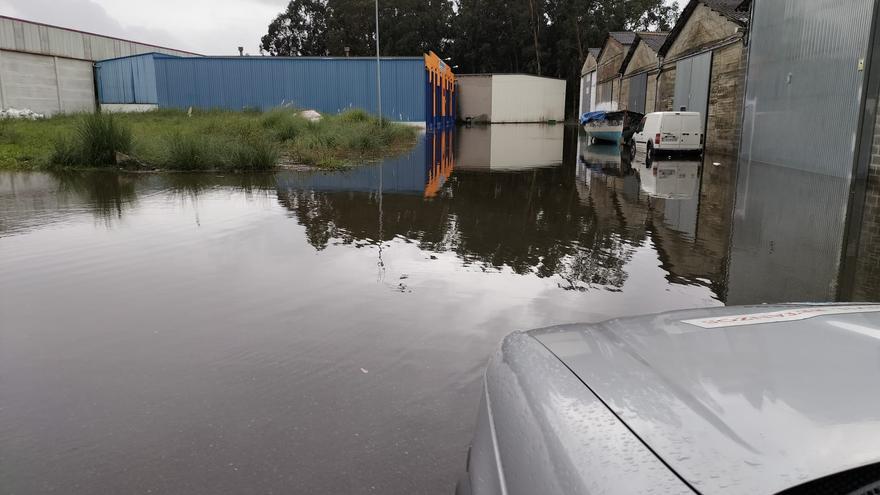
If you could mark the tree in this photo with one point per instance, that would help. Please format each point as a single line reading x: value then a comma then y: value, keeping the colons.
x: 541, y: 37
x: 300, y: 30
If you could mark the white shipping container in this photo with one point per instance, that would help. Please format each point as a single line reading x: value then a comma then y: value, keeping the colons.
x: 510, y: 98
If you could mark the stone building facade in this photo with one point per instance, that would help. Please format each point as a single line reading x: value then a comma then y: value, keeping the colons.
x: 608, y: 70
x: 639, y: 72
x: 713, y: 28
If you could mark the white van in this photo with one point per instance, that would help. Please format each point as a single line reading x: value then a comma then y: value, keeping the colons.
x: 668, y: 131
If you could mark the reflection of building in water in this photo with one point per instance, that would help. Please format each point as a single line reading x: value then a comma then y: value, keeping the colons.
x: 529, y: 222
x: 422, y: 171
x: 439, y: 157
x: 690, y: 235
x: 788, y: 231
x: 509, y: 146
x: 676, y: 182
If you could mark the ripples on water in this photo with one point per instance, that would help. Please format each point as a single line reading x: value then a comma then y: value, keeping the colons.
x: 325, y: 332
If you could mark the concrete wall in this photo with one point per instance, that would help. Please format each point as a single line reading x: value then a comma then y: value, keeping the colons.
x: 48, y: 69
x: 474, y: 97
x: 522, y: 98
x: 45, y: 84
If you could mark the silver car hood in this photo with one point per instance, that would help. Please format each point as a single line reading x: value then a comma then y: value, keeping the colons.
x: 753, y: 408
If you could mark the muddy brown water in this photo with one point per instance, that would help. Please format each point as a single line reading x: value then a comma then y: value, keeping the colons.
x: 316, y: 332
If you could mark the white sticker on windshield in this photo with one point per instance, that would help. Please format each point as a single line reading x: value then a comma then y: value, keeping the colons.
x: 793, y: 314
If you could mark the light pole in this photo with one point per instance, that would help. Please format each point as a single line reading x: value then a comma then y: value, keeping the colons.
x: 378, y: 71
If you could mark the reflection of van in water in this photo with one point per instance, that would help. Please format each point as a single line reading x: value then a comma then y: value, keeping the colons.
x: 669, y: 132
x: 671, y: 179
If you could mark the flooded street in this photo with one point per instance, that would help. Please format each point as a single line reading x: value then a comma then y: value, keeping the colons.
x: 325, y: 332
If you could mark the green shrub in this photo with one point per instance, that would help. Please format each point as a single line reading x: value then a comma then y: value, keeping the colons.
x: 8, y: 134
x: 356, y: 115
x: 65, y: 152
x: 260, y: 154
x: 99, y: 137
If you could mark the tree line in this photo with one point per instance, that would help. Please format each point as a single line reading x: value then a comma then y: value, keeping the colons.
x: 540, y: 37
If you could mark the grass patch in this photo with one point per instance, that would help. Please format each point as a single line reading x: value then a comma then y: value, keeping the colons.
x: 206, y: 140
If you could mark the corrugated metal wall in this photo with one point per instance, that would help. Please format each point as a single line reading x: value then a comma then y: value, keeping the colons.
x: 638, y: 88
x: 31, y: 37
x: 324, y: 84
x: 127, y: 80
x: 804, y: 85
x: 692, y: 84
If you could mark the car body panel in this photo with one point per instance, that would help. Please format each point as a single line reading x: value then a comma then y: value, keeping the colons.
x: 740, y: 408
x: 540, y: 430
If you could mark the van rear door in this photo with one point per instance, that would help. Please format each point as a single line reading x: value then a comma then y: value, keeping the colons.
x: 691, y: 132
x: 670, y: 131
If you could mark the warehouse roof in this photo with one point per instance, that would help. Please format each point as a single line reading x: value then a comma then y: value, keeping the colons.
x: 624, y: 37
x: 653, y: 40
x: 736, y: 11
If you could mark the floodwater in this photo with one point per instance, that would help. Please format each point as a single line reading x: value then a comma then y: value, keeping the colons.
x: 325, y: 332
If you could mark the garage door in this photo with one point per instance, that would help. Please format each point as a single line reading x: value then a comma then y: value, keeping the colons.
x: 638, y: 87
x: 587, y: 87
x: 692, y: 84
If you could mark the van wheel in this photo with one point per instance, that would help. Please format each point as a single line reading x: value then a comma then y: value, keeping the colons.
x: 632, y: 151
x: 649, y: 154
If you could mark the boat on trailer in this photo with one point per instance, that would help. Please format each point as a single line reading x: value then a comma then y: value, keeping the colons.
x: 613, y: 127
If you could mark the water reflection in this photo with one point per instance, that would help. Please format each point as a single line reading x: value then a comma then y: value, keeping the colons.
x: 146, y: 317
x: 510, y: 147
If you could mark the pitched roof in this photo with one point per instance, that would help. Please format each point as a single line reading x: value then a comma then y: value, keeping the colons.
x: 652, y: 39
x: 625, y: 38
x: 736, y: 11
x: 594, y: 52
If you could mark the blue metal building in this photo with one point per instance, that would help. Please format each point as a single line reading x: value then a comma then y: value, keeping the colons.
x: 328, y: 85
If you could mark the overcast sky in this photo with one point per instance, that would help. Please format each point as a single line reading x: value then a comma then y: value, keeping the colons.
x: 208, y: 27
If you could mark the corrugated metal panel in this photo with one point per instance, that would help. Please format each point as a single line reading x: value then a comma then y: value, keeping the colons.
x: 638, y: 88
x: 128, y: 80
x: 326, y: 85
x: 692, y: 84
x: 787, y: 235
x: 804, y: 87
x: 31, y: 37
